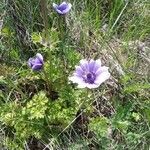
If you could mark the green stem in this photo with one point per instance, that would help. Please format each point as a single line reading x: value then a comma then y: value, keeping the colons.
x: 63, y: 32
x: 62, y: 28
x: 44, y: 12
x: 48, y: 82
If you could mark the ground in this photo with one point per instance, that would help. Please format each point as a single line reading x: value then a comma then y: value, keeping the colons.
x: 42, y: 109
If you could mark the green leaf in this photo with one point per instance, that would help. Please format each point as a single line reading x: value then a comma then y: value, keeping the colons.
x: 37, y: 106
x: 122, y: 125
x: 147, y: 113
x: 36, y: 37
x: 136, y: 116
x: 136, y: 87
x: 100, y: 126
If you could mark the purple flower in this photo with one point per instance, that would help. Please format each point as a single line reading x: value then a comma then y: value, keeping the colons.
x: 36, y: 63
x: 90, y: 74
x: 63, y: 8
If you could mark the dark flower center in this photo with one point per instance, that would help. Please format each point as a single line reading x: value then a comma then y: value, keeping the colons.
x: 62, y: 7
x: 90, y: 78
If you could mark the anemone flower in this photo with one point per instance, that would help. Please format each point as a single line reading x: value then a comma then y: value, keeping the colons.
x: 90, y: 74
x: 36, y: 63
x: 63, y: 8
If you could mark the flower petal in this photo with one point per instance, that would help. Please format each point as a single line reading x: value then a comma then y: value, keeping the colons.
x: 83, y: 85
x: 97, y: 65
x: 40, y: 57
x: 84, y: 65
x: 67, y: 9
x: 36, y: 61
x: 62, y: 4
x: 37, y: 67
x: 101, y: 70
x: 92, y: 86
x: 102, y: 77
x: 76, y: 79
x: 79, y: 71
x: 60, y: 12
x: 55, y: 5
x: 30, y: 62
x: 91, y: 65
